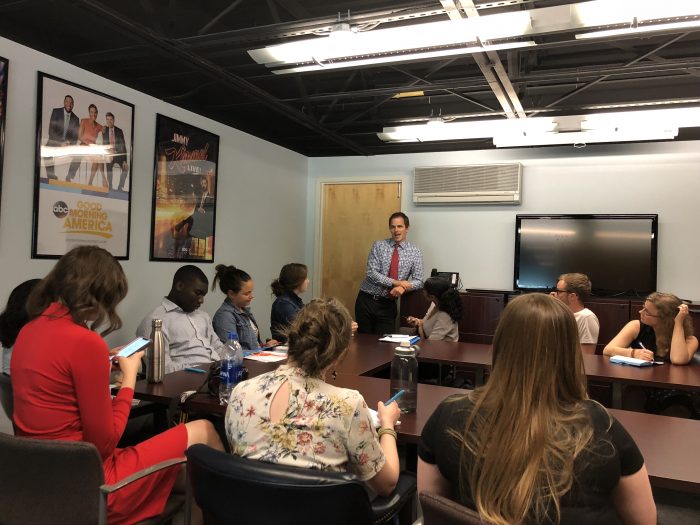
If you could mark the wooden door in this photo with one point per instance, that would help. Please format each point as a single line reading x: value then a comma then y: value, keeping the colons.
x: 353, y: 217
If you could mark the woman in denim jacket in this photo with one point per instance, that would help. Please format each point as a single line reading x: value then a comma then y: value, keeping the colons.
x: 234, y: 315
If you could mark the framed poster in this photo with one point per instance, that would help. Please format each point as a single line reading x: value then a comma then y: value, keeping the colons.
x: 184, y: 192
x: 3, y: 107
x: 82, y: 188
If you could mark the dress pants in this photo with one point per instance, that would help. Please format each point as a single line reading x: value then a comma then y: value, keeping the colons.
x: 375, y: 314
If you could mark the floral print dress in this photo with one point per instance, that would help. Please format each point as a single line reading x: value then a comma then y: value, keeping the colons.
x: 325, y: 427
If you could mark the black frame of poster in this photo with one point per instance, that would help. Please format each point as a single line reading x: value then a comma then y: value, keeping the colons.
x: 90, y: 216
x: 183, y: 210
x: 4, y: 67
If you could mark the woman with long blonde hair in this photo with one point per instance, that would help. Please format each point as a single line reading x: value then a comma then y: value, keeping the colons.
x: 529, y: 447
x: 664, y: 332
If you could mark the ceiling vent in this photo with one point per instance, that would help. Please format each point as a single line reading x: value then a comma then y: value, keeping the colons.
x: 475, y: 184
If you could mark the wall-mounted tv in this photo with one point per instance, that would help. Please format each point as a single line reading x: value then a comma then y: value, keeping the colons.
x: 617, y: 252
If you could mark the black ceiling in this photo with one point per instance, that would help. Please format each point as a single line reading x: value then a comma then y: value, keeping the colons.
x: 193, y: 54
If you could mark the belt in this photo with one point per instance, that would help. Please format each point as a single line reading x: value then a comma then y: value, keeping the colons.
x: 378, y: 298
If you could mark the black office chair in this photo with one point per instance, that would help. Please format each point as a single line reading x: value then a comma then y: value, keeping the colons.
x: 438, y: 510
x: 62, y: 483
x: 6, y: 399
x: 234, y: 490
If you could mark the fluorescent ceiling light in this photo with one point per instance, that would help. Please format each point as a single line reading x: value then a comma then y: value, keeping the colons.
x: 474, y: 129
x: 340, y: 64
x: 346, y: 47
x: 618, y: 126
x: 583, y: 137
x: 346, y: 43
x: 609, y: 12
x: 639, y: 29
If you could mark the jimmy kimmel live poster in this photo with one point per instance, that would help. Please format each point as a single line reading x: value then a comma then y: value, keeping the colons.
x: 184, y: 192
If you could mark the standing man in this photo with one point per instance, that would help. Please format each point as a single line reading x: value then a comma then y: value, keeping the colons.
x: 573, y: 289
x: 394, y: 266
x: 189, y: 335
x: 63, y: 131
x: 114, y: 136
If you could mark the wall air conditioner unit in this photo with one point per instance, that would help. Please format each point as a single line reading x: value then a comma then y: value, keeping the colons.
x: 475, y: 184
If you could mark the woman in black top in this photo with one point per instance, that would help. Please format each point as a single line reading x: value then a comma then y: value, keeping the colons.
x: 664, y: 332
x: 529, y: 447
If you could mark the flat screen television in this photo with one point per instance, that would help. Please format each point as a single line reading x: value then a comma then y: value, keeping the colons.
x: 617, y: 252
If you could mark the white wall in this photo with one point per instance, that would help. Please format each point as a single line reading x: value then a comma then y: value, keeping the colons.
x: 478, y: 240
x: 261, y: 200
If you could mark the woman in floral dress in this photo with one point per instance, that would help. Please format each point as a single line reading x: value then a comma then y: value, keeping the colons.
x: 292, y: 416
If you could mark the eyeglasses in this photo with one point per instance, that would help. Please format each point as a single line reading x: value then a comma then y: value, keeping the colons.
x: 561, y: 291
x: 647, y: 312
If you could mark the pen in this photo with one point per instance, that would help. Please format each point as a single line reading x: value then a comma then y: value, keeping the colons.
x: 395, y: 397
x: 198, y: 370
x: 642, y: 345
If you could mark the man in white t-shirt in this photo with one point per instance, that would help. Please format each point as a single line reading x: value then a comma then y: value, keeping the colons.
x: 573, y: 289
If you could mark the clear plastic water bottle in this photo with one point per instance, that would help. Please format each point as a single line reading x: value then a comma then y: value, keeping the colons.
x: 404, y: 376
x: 231, y: 367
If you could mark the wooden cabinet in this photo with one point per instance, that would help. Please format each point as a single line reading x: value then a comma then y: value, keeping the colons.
x: 481, y: 312
x: 612, y: 314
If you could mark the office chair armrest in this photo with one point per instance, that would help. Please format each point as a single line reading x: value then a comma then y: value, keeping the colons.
x: 108, y: 489
x: 384, y: 507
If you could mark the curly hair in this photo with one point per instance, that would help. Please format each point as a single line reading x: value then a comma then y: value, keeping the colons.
x: 89, y: 281
x: 449, y: 300
x: 319, y: 335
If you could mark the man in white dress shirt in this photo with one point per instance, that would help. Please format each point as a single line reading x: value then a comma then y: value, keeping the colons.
x: 189, y: 335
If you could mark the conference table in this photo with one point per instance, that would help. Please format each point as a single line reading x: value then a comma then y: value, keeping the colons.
x: 368, y: 356
x: 669, y: 444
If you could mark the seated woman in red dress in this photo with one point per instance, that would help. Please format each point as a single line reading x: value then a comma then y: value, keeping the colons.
x: 60, y: 378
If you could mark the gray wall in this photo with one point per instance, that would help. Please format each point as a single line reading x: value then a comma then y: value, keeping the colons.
x: 478, y: 240
x: 261, y: 195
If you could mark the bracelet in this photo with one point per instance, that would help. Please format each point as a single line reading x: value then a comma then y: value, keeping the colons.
x: 389, y: 431
x: 632, y: 352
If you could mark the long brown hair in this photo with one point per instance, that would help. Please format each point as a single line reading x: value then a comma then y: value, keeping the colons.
x: 667, y: 304
x: 528, y: 423
x: 89, y: 281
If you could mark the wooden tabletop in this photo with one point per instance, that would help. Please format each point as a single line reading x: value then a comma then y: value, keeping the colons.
x: 669, y: 444
x: 367, y: 355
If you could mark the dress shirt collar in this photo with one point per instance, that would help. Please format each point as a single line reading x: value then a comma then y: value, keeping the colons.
x: 170, y: 306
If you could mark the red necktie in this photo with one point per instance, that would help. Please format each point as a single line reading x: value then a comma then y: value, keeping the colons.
x: 394, y: 266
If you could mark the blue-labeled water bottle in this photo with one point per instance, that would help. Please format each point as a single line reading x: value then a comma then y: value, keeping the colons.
x: 231, y: 367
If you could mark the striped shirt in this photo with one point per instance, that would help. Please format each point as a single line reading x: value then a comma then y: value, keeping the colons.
x: 377, y: 280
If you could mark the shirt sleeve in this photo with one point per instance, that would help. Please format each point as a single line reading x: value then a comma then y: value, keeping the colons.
x: 631, y: 459
x: 428, y: 438
x: 103, y: 418
x: 286, y: 312
x: 224, y: 323
x: 374, y: 266
x: 442, y: 327
x: 365, y: 454
x: 416, y: 274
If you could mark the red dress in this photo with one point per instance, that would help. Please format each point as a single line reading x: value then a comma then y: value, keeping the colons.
x: 60, y: 380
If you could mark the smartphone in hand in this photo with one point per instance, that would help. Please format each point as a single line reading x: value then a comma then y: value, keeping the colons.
x: 132, y: 347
